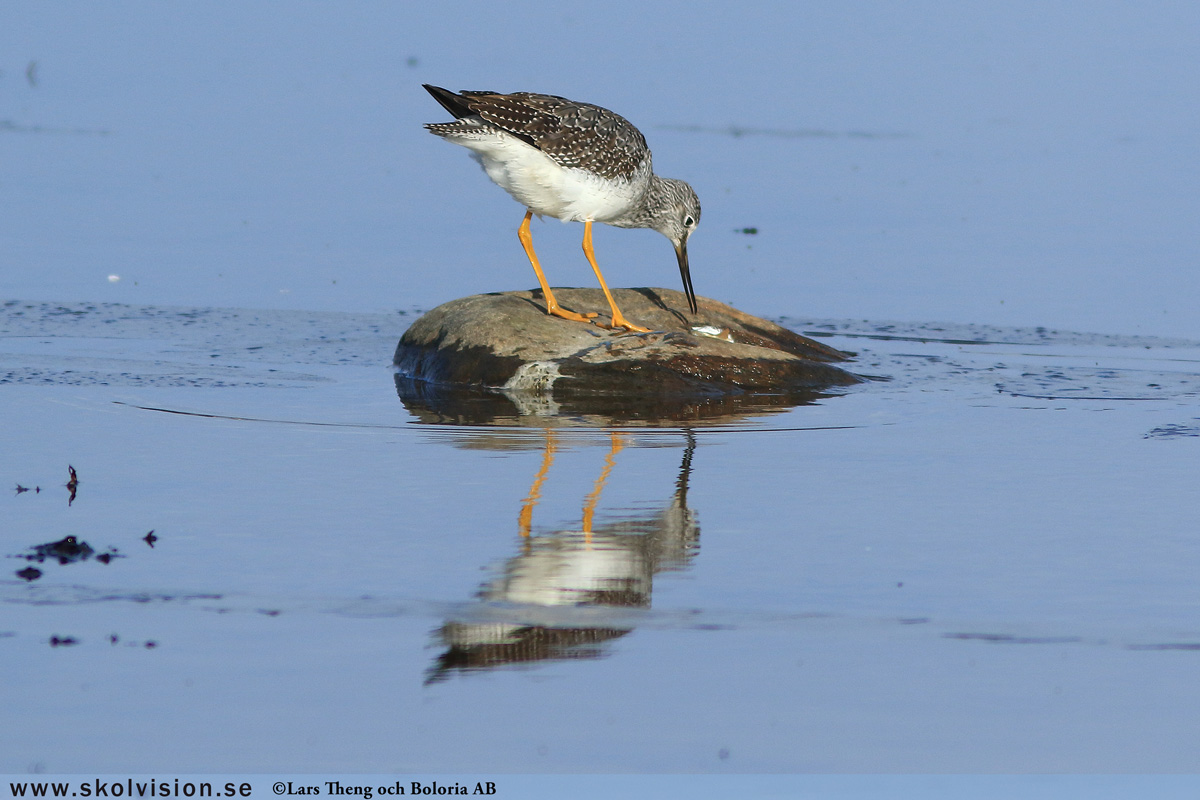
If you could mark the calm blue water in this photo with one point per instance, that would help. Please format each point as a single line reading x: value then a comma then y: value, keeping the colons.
x: 985, y: 564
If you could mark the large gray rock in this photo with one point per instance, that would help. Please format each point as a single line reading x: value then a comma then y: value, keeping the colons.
x: 507, y: 341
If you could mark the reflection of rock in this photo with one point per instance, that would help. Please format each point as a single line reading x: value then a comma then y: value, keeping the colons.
x: 446, y: 405
x: 610, y: 567
x: 507, y: 341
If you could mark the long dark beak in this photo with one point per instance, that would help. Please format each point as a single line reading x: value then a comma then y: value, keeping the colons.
x: 685, y: 273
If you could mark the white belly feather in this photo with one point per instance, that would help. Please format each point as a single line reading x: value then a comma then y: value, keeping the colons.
x: 547, y: 189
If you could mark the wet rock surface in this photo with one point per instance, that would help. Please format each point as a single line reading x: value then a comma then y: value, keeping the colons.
x: 508, y: 341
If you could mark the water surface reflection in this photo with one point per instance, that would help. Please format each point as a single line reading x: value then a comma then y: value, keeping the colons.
x: 609, y: 566
x: 438, y: 405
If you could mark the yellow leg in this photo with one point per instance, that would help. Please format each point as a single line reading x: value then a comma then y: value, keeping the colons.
x: 552, y: 306
x: 589, y: 505
x: 525, y: 521
x: 618, y: 319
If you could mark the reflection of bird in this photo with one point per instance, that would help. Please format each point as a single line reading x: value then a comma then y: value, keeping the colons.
x: 576, y: 162
x: 612, y: 567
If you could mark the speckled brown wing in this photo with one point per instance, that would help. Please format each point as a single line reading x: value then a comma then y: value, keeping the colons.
x: 574, y: 134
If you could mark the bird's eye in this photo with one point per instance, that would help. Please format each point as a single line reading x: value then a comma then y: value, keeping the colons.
x: 688, y: 221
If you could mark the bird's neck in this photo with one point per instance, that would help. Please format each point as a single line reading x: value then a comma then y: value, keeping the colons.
x: 647, y: 212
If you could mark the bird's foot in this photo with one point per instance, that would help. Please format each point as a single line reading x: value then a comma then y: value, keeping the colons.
x: 619, y: 321
x: 559, y: 311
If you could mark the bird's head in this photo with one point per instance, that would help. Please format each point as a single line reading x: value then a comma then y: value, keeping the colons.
x: 678, y: 215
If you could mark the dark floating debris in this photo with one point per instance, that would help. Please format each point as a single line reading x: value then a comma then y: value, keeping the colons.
x: 747, y: 231
x: 64, y: 641
x: 150, y: 538
x: 1005, y: 638
x: 14, y: 127
x: 1172, y: 431
x: 72, y: 484
x: 68, y: 550
x: 29, y: 574
x: 1166, y: 646
x: 149, y: 644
